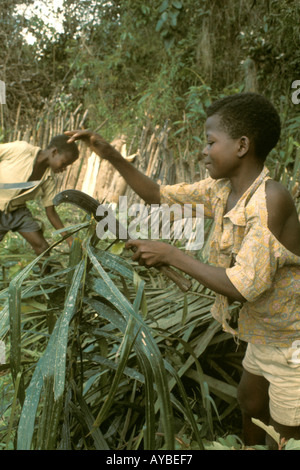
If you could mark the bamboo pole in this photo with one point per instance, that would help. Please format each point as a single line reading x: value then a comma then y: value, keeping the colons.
x: 17, y: 121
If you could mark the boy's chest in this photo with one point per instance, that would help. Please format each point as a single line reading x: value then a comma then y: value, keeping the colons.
x: 229, y: 231
x: 37, y: 173
x: 231, y: 202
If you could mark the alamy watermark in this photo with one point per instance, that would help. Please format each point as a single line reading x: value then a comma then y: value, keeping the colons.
x: 2, y: 92
x: 296, y: 353
x: 2, y: 352
x: 296, y: 93
x: 156, y: 222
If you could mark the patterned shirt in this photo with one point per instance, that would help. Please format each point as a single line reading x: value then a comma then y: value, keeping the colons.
x: 16, y: 164
x: 265, y: 272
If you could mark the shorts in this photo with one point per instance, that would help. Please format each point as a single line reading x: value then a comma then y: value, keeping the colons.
x: 20, y: 220
x: 281, y: 368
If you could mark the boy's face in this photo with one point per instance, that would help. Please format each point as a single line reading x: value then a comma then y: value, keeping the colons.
x: 58, y: 162
x: 221, y: 151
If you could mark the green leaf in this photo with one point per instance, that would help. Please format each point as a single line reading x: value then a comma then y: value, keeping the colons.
x: 177, y: 4
x: 114, y: 263
x: 164, y: 16
x: 164, y: 6
x: 269, y: 429
x: 14, y: 299
x: 51, y: 365
x: 292, y: 444
x: 117, y: 248
x: 147, y: 352
x: 173, y: 18
x: 127, y: 345
x: 159, y: 25
x: 100, y: 443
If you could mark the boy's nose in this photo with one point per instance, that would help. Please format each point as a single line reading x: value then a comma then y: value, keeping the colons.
x: 204, y: 152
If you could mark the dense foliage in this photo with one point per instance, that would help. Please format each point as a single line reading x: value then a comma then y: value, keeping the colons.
x: 165, y: 58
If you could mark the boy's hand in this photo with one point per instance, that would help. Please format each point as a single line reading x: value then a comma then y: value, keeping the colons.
x: 150, y: 253
x: 96, y: 143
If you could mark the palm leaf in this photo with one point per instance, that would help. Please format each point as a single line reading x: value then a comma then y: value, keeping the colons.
x: 148, y: 351
x: 51, y: 365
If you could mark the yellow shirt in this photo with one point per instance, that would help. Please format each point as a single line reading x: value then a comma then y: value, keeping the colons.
x: 257, y: 264
x: 16, y: 164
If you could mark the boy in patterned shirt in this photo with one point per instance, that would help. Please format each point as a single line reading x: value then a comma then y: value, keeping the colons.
x: 254, y: 253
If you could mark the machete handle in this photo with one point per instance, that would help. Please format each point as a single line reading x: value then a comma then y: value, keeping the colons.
x: 181, y: 281
x: 90, y: 205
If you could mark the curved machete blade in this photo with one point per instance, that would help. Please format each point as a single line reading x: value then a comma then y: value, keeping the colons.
x: 79, y: 199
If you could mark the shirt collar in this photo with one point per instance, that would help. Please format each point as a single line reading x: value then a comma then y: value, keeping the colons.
x: 237, y: 213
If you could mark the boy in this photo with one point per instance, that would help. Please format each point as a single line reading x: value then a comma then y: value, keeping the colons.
x: 254, y: 255
x: 22, y: 162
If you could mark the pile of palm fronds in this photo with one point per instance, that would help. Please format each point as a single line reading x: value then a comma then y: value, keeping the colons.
x: 107, y: 355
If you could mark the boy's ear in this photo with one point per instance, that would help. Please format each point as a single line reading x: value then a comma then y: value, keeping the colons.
x: 53, y: 151
x: 244, y: 146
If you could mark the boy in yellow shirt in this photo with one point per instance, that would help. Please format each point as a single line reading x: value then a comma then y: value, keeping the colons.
x: 254, y: 255
x: 22, y: 162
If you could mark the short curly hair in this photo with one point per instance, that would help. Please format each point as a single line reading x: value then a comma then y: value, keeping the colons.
x: 60, y: 142
x: 252, y: 115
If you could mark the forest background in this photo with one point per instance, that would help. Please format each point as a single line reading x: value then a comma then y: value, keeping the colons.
x: 132, y: 64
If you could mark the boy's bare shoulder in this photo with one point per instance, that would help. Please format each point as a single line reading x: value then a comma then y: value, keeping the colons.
x: 283, y: 220
x: 278, y: 197
x: 278, y: 193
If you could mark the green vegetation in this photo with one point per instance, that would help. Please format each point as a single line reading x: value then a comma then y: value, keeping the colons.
x: 108, y: 366
x: 102, y: 353
x: 108, y: 355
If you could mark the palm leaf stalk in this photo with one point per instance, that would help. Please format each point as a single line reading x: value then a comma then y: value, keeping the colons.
x: 146, y: 347
x: 52, y: 367
x: 55, y: 408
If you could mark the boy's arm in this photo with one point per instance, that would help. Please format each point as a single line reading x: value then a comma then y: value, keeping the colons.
x: 151, y: 253
x: 55, y: 221
x: 283, y: 220
x: 147, y: 189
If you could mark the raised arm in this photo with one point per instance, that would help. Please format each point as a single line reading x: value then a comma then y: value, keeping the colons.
x: 146, y: 188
